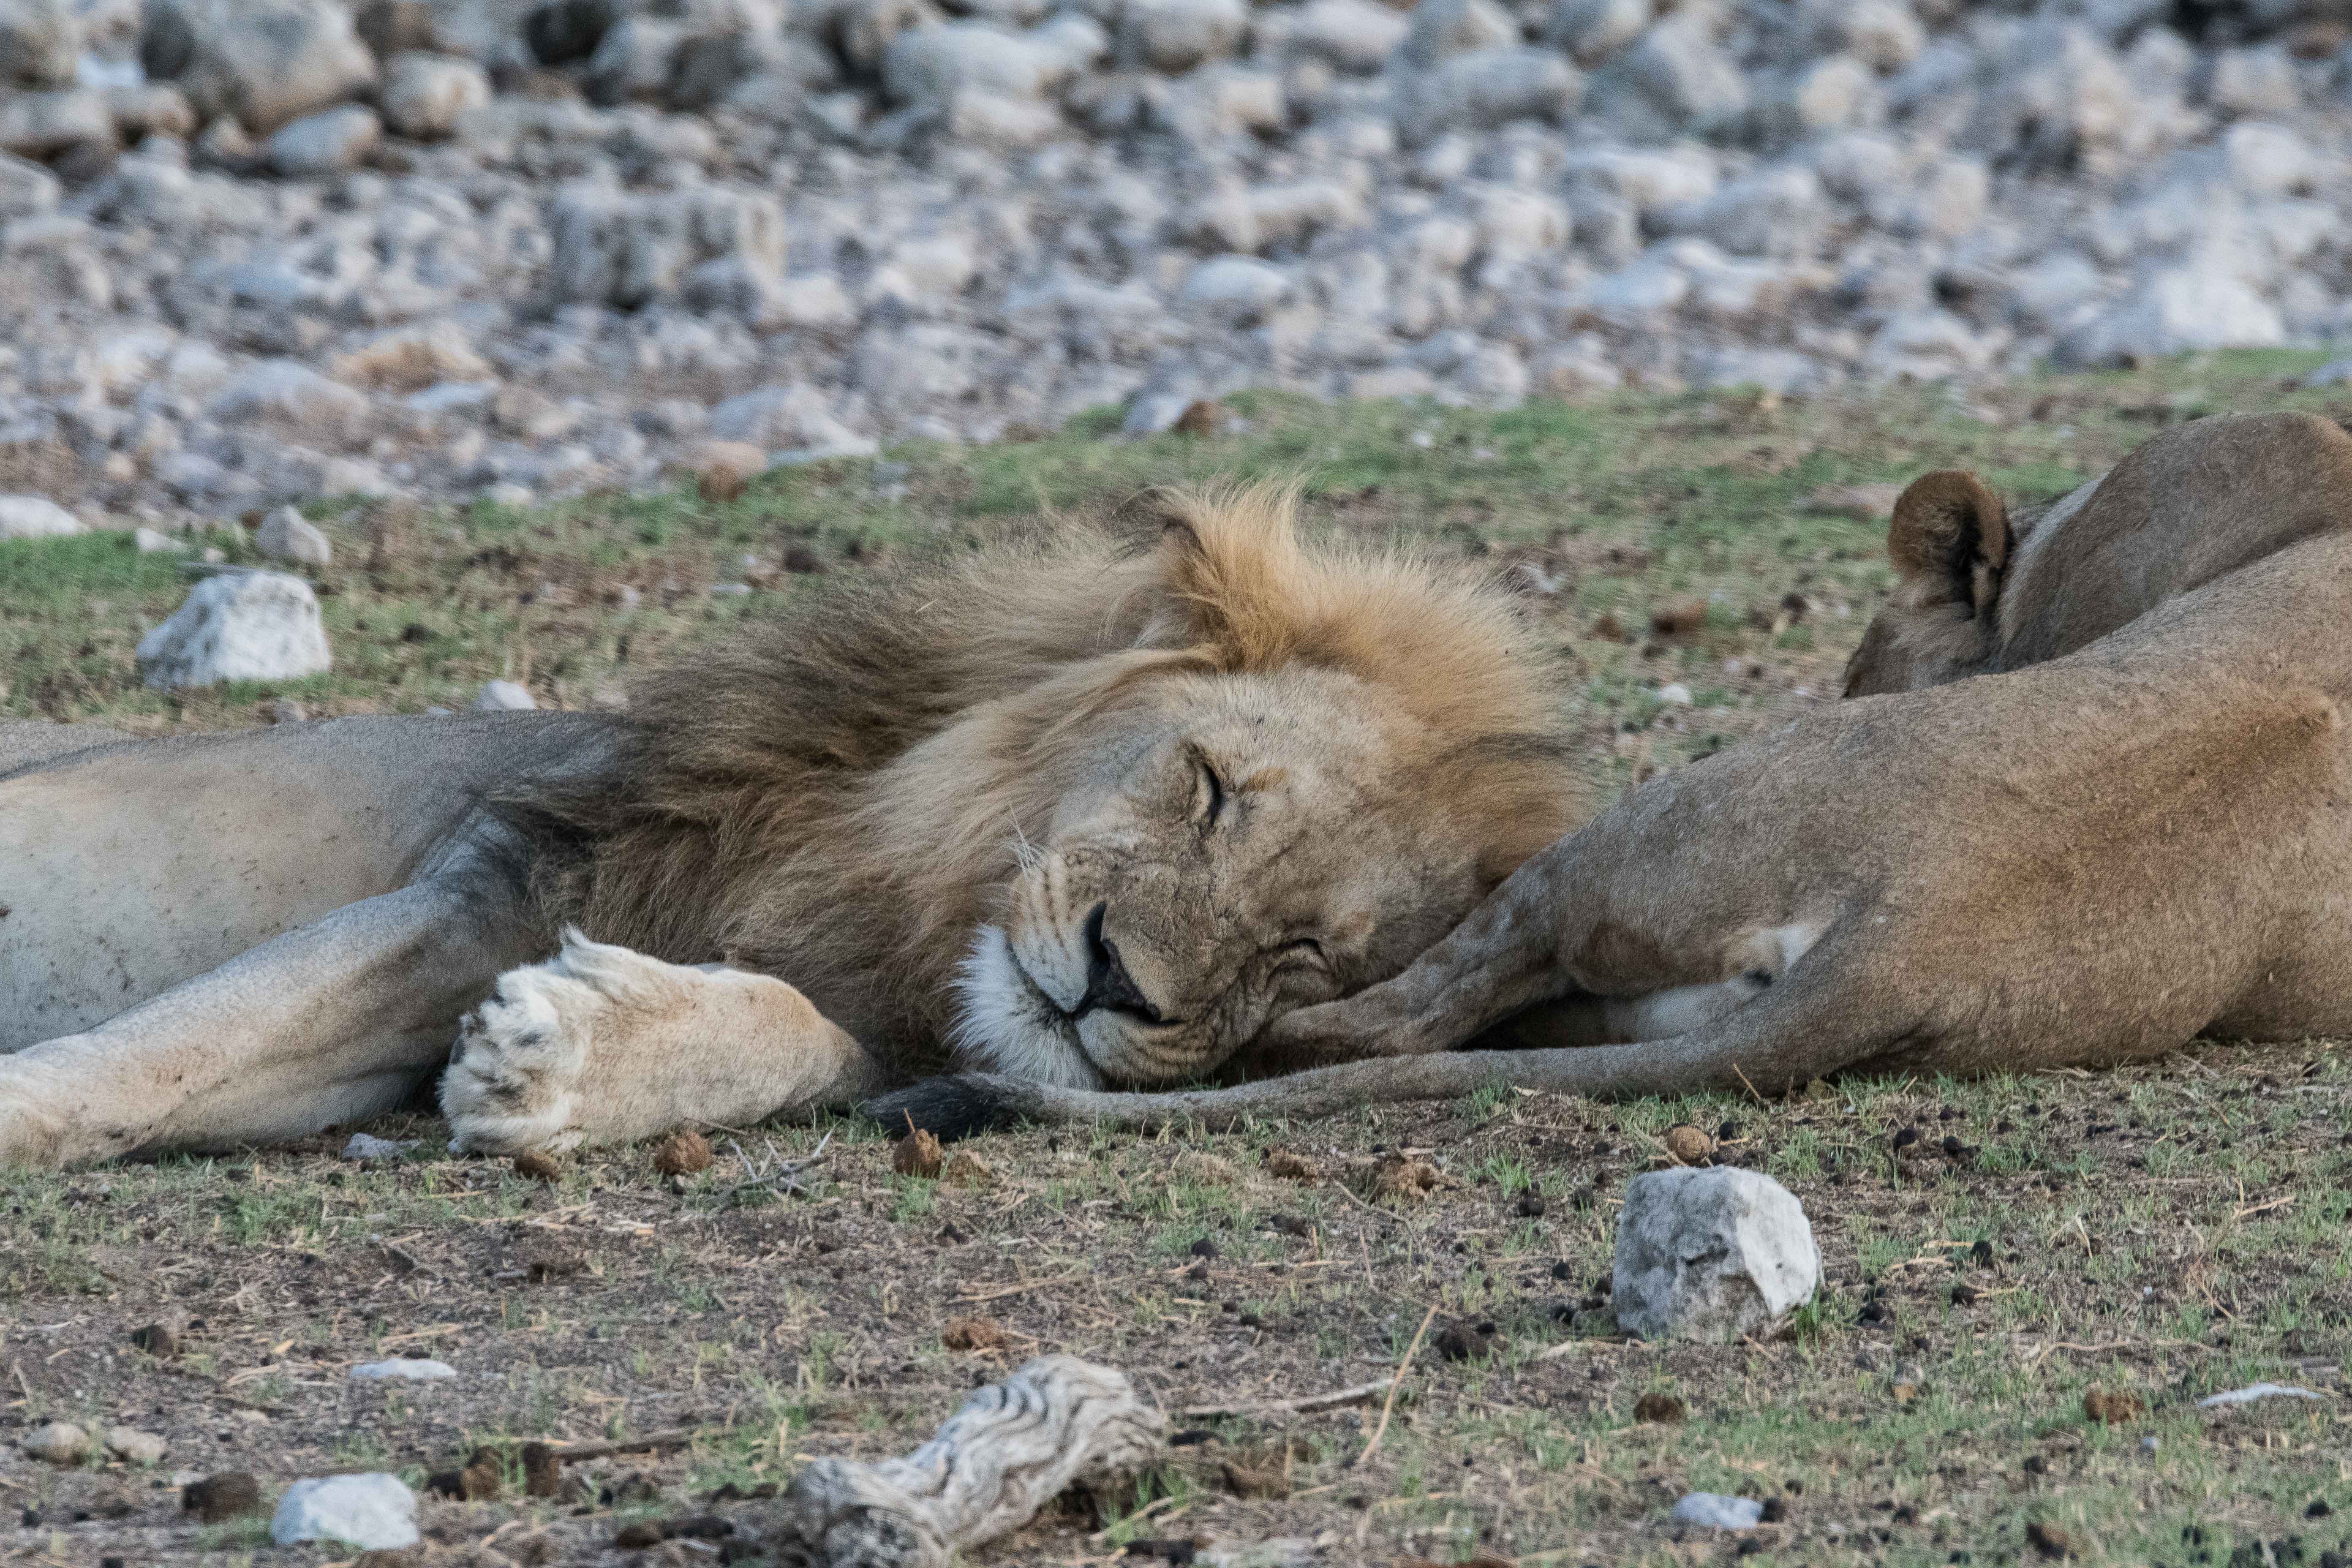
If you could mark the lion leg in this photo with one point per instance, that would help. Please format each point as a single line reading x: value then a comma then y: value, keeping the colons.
x: 603, y: 1045
x: 335, y: 1020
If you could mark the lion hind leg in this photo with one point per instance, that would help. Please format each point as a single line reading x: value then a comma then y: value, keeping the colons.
x: 603, y: 1043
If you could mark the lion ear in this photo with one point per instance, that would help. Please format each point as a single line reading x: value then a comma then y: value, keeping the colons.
x: 1950, y: 530
x: 1228, y: 572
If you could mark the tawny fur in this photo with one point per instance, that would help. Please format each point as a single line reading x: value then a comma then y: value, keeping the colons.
x: 840, y: 798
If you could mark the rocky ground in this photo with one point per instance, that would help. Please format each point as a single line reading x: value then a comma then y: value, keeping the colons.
x: 261, y: 250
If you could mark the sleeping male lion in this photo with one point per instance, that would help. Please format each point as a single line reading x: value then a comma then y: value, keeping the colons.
x: 1089, y: 813
x: 2092, y: 799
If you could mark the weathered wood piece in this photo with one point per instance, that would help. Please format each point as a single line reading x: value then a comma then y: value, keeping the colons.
x: 1011, y: 1448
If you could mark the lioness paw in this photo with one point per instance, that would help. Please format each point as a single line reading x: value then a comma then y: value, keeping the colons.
x: 522, y: 1060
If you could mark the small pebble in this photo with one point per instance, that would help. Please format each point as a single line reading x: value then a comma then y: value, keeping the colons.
x: 58, y: 1443
x: 134, y: 1447
x: 402, y: 1369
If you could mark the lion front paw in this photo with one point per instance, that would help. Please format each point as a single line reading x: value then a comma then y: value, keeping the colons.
x: 516, y: 1073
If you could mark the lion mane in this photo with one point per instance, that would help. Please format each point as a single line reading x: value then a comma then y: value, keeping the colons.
x: 839, y: 797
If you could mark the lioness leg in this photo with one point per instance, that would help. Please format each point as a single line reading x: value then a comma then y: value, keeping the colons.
x: 601, y: 1044
x: 1787, y: 1035
x: 336, y: 1019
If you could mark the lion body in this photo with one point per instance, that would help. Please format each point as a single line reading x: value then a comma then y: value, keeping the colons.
x: 964, y: 805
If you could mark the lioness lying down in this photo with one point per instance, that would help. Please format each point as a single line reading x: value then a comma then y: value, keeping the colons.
x: 2093, y: 799
x: 1087, y: 812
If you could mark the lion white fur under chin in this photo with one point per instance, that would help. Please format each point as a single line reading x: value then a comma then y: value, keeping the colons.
x: 603, y: 1043
x: 1007, y: 1025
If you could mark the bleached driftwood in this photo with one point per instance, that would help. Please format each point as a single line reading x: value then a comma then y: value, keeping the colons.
x: 1011, y: 1450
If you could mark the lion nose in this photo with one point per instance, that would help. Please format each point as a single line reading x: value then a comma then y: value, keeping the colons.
x: 1108, y: 985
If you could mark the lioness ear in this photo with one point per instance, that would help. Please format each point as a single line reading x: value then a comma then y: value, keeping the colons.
x: 1950, y: 529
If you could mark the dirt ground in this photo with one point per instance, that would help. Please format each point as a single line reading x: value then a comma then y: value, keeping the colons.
x: 2007, y: 1260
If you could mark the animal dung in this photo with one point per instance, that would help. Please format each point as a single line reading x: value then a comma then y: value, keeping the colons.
x: 917, y: 1154
x: 537, y: 1165
x: 1287, y: 1165
x: 1688, y: 1145
x: 682, y: 1154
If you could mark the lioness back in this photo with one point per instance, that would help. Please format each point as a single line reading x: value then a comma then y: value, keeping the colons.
x: 1980, y: 589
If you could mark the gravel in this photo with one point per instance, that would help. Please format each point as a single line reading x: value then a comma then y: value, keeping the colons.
x: 265, y: 251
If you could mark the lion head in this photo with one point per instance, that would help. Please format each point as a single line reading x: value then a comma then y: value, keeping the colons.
x: 1093, y: 808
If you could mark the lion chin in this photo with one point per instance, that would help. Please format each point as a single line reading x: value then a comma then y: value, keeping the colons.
x: 1006, y: 1024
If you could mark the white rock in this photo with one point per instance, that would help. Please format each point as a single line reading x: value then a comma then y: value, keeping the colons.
x: 1828, y: 93
x: 2253, y: 1392
x: 2259, y: 80
x: 294, y: 394
x: 35, y: 517
x: 1593, y: 30
x: 1712, y: 1511
x: 503, y: 696
x: 401, y: 1369
x: 1711, y: 1254
x: 1353, y: 35
x: 424, y: 96
x: 40, y: 40
x: 1684, y: 77
x: 1236, y: 286
x: 1947, y: 199
x: 2174, y: 310
x: 286, y: 535
x: 133, y: 1446
x: 1884, y: 34
x: 1674, y: 694
x: 264, y: 62
x: 58, y: 1443
x: 324, y: 143
x: 1780, y: 210
x: 1650, y: 180
x: 151, y: 542
x: 1442, y: 29
x: 2266, y: 160
x: 43, y: 124
x: 930, y: 65
x: 793, y: 416
x: 1489, y: 88
x: 375, y: 1512
x: 616, y: 247
x: 26, y: 189
x: 239, y: 625
x: 1177, y: 35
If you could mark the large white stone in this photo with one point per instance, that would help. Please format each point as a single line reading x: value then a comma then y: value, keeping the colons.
x: 325, y: 143
x: 264, y: 62
x: 39, y: 42
x: 1711, y: 1254
x: 424, y: 95
x: 35, y: 517
x: 2173, y: 312
x: 375, y: 1512
x: 239, y: 625
x: 26, y: 189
